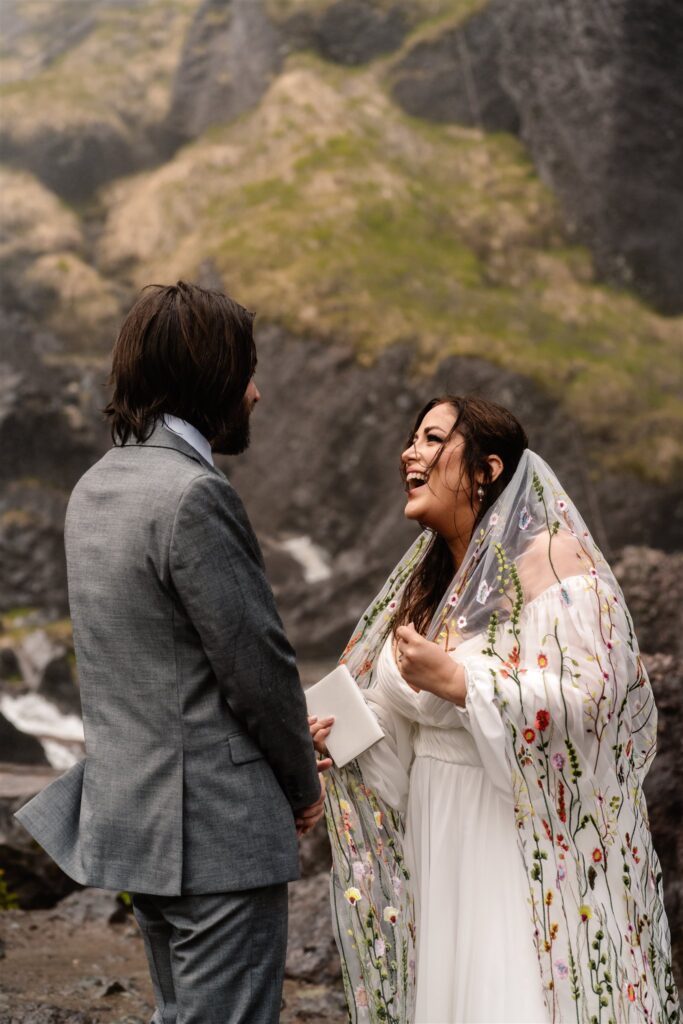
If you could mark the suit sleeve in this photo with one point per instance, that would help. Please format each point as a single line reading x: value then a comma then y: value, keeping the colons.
x: 217, y: 571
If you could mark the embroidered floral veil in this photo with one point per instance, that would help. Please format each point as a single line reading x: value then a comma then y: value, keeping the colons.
x: 570, y: 720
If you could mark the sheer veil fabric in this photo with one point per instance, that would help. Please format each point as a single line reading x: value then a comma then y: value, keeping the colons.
x: 569, y: 724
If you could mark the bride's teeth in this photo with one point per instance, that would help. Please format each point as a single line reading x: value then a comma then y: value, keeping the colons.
x: 416, y: 479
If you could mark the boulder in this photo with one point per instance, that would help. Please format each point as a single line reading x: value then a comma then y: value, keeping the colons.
x: 92, y: 905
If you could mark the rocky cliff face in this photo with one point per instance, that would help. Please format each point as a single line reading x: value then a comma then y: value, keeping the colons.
x: 592, y: 90
x: 389, y: 257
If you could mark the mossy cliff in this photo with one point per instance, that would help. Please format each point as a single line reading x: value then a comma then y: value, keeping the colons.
x: 371, y: 178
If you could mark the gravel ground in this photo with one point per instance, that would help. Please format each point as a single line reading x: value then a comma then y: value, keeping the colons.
x: 59, y: 970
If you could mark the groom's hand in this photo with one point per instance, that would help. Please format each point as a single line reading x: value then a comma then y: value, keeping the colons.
x: 308, y: 817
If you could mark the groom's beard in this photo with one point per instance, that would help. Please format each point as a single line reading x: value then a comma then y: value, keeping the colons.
x: 235, y: 438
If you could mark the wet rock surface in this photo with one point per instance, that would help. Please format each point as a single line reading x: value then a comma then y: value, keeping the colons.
x: 231, y: 54
x: 456, y: 77
x: 356, y: 31
x: 19, y: 748
x: 664, y: 795
x: 46, y: 667
x: 579, y: 83
x: 652, y: 582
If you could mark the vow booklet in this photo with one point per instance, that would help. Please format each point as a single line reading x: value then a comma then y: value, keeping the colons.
x: 355, y: 727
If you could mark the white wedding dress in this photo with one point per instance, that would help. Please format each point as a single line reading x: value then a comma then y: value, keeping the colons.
x: 475, y: 957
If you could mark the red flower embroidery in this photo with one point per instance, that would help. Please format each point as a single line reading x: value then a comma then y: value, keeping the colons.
x: 597, y: 855
x: 529, y: 735
x: 542, y: 661
x: 631, y: 993
x: 542, y: 720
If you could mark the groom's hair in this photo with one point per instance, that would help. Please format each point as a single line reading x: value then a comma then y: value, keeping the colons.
x: 182, y: 350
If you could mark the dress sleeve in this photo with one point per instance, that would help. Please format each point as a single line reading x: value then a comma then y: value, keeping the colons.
x: 386, y: 765
x: 567, y: 675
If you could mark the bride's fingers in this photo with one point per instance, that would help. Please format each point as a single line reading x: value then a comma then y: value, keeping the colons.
x: 324, y: 764
x: 321, y: 723
x: 407, y: 633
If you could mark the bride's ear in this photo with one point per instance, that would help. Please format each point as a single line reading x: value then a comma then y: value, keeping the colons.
x: 495, y: 465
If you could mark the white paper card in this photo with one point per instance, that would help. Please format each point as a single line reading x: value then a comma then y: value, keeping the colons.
x: 355, y: 727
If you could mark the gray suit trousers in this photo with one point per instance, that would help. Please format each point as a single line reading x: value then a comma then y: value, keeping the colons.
x: 216, y: 958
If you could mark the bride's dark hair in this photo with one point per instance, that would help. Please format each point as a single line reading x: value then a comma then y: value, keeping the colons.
x: 487, y: 429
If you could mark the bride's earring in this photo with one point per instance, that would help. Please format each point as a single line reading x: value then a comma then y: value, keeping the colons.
x: 480, y: 492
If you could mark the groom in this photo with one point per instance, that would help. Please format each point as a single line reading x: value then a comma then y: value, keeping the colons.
x: 199, y: 767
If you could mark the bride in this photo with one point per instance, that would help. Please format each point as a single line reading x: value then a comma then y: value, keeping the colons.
x: 492, y: 859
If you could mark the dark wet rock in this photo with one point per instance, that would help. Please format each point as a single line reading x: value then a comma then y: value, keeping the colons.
x: 356, y: 31
x: 597, y: 88
x: 88, y: 905
x: 50, y: 423
x: 593, y: 91
x: 19, y: 748
x: 9, y: 666
x: 74, y: 162
x: 314, y: 851
x: 46, y: 666
x: 455, y: 77
x: 50, y: 433
x: 664, y: 794
x: 230, y: 56
x: 32, y: 547
x: 30, y: 874
x: 113, y: 988
x: 652, y: 582
x: 311, y: 952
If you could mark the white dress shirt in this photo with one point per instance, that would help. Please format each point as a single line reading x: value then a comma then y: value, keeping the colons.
x: 190, y: 434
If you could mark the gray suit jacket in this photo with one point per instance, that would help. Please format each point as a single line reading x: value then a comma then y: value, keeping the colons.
x: 197, y: 742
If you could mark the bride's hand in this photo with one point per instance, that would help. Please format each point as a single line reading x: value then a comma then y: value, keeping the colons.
x: 320, y: 730
x: 425, y: 666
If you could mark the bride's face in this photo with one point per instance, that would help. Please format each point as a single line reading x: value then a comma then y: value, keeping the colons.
x: 438, y: 491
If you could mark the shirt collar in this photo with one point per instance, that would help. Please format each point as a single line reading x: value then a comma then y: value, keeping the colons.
x: 190, y: 434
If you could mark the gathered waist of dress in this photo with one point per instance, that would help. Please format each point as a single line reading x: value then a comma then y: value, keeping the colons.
x: 455, y: 746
